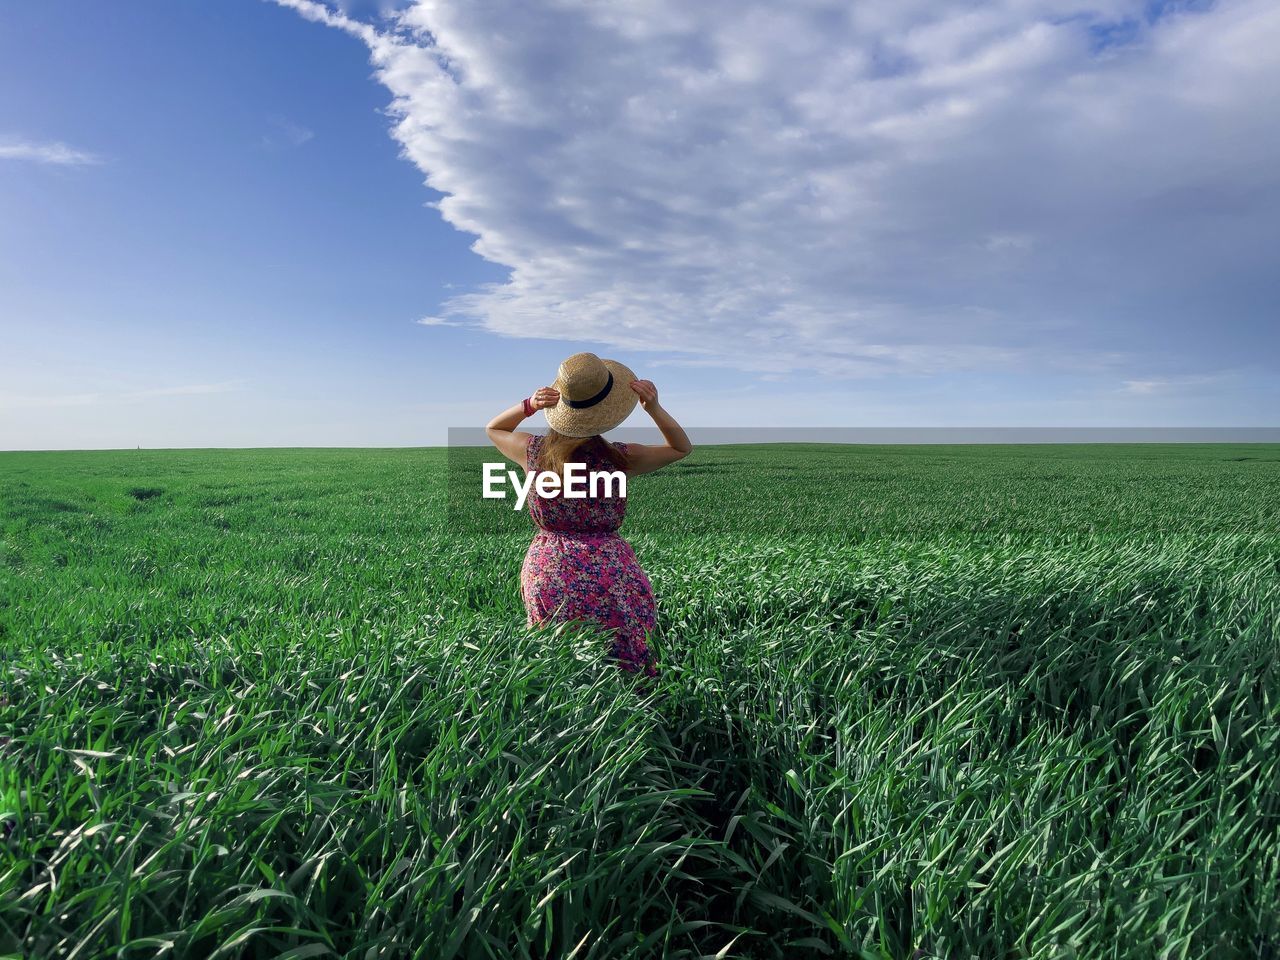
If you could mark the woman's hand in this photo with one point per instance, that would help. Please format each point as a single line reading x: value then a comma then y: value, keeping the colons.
x: 648, y: 394
x: 544, y: 397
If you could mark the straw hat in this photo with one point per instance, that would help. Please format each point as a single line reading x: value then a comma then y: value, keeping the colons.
x: 595, y: 396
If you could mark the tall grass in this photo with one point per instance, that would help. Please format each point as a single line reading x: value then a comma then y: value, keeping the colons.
x: 962, y: 702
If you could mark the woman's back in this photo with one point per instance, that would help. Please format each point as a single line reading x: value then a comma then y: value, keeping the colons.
x: 601, y: 514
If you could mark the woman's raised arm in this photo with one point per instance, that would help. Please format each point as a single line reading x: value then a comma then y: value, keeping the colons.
x: 513, y: 443
x: 644, y: 457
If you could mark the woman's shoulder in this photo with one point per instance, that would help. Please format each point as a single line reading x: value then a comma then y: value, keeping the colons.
x: 618, y: 449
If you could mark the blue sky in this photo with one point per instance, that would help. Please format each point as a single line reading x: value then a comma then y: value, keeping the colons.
x: 216, y: 227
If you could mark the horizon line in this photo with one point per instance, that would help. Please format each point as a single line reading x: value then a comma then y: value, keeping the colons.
x: 834, y: 436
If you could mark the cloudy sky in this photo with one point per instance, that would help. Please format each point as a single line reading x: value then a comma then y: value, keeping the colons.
x: 285, y: 222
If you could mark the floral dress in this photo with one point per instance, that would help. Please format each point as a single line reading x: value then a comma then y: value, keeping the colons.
x: 579, y: 568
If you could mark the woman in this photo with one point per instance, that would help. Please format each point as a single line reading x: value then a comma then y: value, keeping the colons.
x: 578, y: 567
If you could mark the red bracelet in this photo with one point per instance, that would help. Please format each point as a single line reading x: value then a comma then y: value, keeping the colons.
x: 528, y: 407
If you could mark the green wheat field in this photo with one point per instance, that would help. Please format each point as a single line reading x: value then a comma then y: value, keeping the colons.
x: 921, y: 701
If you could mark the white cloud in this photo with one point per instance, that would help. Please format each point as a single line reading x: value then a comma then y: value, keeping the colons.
x: 51, y: 153
x: 1182, y: 383
x: 107, y: 397
x: 1145, y: 387
x: 285, y: 133
x: 1009, y: 241
x: 319, y: 13
x: 882, y: 187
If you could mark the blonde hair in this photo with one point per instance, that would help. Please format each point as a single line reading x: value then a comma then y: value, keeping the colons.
x: 557, y: 449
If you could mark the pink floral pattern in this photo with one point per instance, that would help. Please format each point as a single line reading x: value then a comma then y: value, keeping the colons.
x: 578, y: 567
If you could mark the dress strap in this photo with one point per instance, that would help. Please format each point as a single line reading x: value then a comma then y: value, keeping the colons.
x: 531, y: 451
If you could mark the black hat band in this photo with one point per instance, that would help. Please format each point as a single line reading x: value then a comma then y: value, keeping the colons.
x: 591, y: 401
